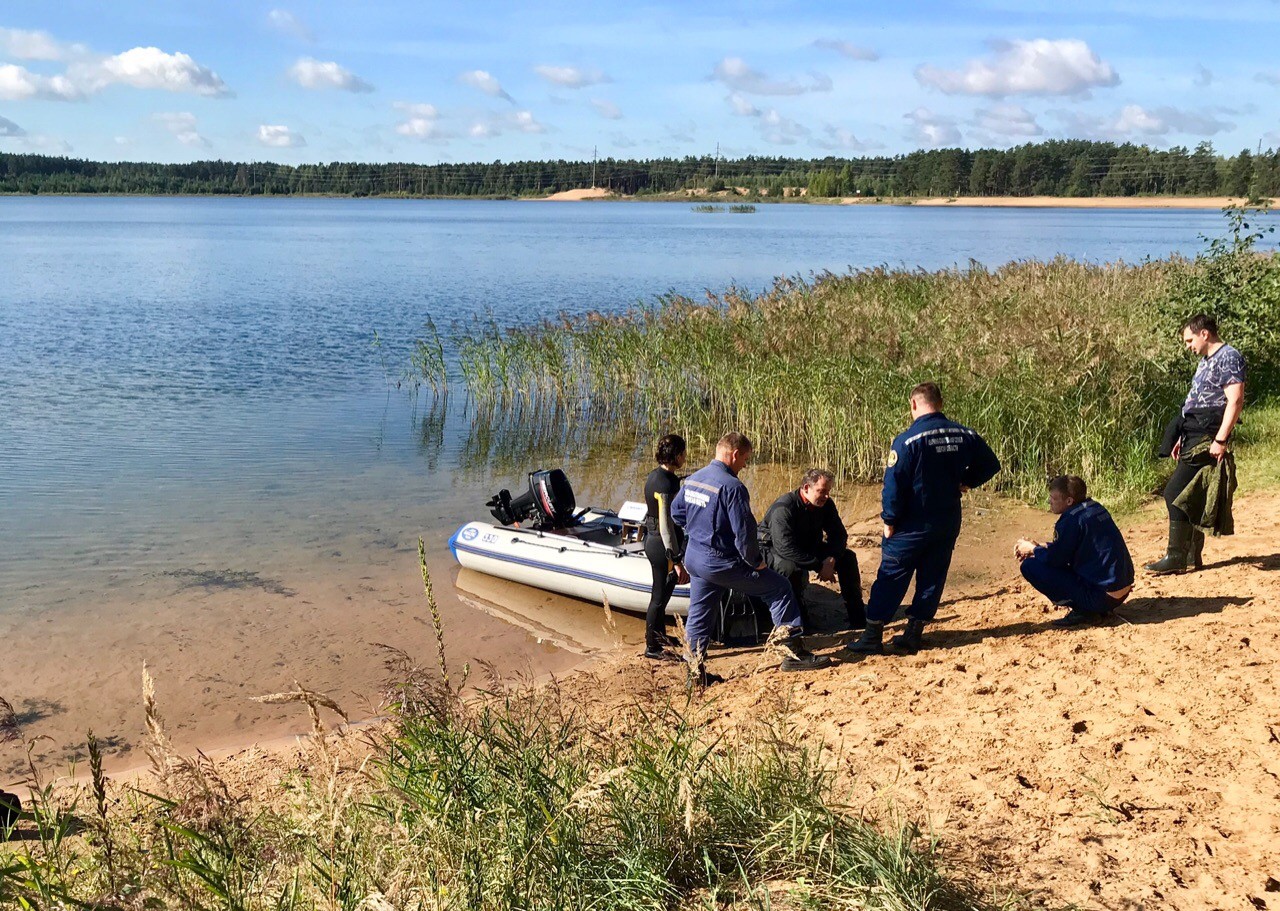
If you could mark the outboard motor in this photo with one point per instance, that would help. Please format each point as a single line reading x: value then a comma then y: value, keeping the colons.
x: 548, y: 504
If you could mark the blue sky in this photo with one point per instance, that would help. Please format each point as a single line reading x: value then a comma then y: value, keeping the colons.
x: 428, y: 82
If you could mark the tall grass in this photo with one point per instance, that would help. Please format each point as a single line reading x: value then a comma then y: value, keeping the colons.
x: 1062, y: 366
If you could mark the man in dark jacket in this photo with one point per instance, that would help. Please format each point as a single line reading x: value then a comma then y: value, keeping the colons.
x: 931, y: 464
x: 1086, y: 567
x: 802, y: 534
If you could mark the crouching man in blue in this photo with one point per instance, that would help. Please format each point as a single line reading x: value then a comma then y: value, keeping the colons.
x: 714, y: 509
x: 931, y: 464
x: 1086, y: 567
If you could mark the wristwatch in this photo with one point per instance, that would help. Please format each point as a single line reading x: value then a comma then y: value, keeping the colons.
x: 1220, y: 442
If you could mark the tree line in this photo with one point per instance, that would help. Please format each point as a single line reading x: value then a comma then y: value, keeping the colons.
x: 1070, y: 168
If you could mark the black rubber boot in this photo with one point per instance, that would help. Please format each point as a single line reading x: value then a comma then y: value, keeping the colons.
x: 871, y: 642
x: 1178, y: 557
x: 788, y: 644
x: 857, y: 615
x: 1197, y: 548
x: 910, y: 640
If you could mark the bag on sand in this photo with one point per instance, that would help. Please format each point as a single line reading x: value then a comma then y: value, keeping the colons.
x: 10, y: 807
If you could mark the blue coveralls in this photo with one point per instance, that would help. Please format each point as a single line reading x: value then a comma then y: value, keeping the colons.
x: 928, y: 464
x: 1086, y: 559
x: 714, y: 509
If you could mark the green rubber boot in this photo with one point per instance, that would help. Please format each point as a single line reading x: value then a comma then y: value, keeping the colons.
x: 1178, y: 557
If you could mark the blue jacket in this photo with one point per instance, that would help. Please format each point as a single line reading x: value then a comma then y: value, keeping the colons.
x: 714, y: 509
x: 1087, y: 542
x: 928, y: 463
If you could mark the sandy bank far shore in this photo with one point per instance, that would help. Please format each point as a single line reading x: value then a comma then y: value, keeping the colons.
x: 576, y: 195
x: 1080, y: 202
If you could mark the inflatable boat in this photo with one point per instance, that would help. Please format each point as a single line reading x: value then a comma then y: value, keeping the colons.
x: 541, y: 538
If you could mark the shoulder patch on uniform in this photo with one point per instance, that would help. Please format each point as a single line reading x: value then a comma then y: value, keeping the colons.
x: 893, y: 457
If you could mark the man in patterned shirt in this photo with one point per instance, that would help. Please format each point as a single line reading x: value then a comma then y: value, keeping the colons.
x: 1210, y: 412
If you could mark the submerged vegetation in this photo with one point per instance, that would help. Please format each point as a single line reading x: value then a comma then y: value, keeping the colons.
x: 514, y: 798
x: 1063, y: 366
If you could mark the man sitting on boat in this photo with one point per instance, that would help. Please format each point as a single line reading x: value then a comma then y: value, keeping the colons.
x: 802, y: 534
x: 723, y: 553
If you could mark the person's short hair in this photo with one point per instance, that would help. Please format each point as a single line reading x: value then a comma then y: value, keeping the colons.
x: 1070, y: 486
x: 734, y: 441
x: 814, y: 475
x: 670, y: 448
x: 929, y: 392
x: 1201, y: 322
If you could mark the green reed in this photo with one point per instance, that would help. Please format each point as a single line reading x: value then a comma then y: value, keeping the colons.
x: 1063, y: 366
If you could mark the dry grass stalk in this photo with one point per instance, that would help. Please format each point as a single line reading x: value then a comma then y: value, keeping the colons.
x: 610, y: 625
x: 437, y: 622
x: 158, y: 747
x: 314, y: 702
x: 10, y: 732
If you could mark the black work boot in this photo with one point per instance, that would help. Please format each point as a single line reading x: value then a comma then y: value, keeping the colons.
x: 909, y: 641
x: 1197, y: 549
x: 857, y: 615
x: 871, y: 642
x: 787, y: 643
x: 1179, y: 553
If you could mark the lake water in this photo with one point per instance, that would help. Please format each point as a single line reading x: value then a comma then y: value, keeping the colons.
x: 192, y: 405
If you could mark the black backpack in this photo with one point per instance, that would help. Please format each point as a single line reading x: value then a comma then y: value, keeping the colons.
x: 10, y: 808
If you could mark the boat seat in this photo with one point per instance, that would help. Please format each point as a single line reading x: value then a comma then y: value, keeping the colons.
x: 595, y: 533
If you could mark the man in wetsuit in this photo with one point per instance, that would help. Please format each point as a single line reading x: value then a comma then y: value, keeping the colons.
x: 1209, y: 414
x: 802, y: 533
x: 722, y: 552
x: 1086, y: 567
x: 931, y: 464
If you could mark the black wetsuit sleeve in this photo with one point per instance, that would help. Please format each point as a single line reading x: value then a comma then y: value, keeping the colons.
x: 787, y: 541
x: 833, y: 528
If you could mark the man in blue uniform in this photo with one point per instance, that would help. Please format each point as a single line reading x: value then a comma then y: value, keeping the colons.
x: 931, y: 464
x: 1086, y: 567
x: 722, y: 552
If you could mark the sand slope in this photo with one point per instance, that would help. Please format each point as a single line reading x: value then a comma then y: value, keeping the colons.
x: 577, y: 195
x: 1135, y: 765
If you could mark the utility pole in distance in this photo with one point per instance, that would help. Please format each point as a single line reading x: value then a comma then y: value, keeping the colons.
x: 593, y: 167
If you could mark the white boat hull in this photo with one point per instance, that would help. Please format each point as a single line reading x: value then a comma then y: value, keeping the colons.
x: 564, y: 564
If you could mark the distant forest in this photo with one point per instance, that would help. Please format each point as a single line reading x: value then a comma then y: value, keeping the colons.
x: 1053, y: 168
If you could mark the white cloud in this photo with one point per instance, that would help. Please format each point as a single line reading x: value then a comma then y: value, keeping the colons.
x: 1038, y: 67
x: 571, y: 77
x: 526, y: 123
x: 183, y: 127
x: 279, y: 137
x: 1269, y: 78
x: 737, y: 76
x: 496, y: 125
x: 123, y: 141
x: 742, y: 107
x: 623, y: 141
x: 932, y: 130
x: 840, y: 138
x: 781, y: 130
x: 1136, y: 122
x: 847, y: 49
x: 421, y: 121
x: 10, y: 130
x: 20, y: 84
x: 320, y: 74
x: 150, y: 68
x: 606, y: 109
x: 284, y: 21
x: 26, y: 45
x: 485, y: 82
x: 1007, y: 120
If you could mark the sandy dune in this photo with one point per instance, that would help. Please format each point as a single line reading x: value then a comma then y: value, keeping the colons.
x: 576, y: 195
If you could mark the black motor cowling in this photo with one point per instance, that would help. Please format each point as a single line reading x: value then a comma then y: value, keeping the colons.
x: 548, y: 503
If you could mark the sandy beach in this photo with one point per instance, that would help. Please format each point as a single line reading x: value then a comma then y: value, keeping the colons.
x: 1064, y: 202
x: 1128, y: 765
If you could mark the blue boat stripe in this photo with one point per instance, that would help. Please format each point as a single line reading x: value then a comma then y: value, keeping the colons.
x: 581, y: 574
